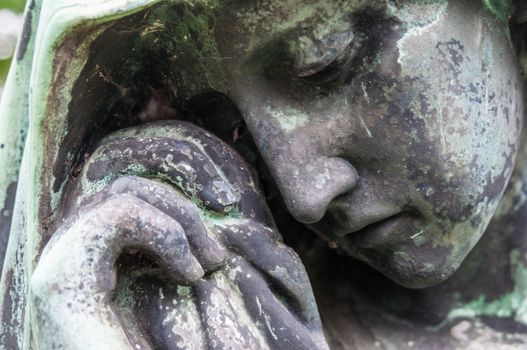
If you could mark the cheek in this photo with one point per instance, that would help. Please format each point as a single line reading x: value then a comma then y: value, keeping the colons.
x: 454, y: 143
x: 459, y: 178
x: 469, y: 114
x: 474, y: 148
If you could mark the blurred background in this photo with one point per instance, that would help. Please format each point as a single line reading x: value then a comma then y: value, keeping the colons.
x: 10, y: 27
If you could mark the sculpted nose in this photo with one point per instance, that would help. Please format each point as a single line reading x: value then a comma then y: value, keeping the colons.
x: 309, y: 189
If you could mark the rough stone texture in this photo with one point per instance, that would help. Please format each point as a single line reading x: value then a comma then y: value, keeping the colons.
x: 209, y: 237
x: 389, y: 131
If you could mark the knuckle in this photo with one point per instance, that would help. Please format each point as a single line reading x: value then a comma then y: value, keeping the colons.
x: 121, y: 183
x: 121, y: 200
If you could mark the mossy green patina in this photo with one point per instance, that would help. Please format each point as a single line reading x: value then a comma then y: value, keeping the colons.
x: 82, y: 90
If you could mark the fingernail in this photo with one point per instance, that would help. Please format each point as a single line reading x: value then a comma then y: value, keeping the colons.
x: 223, y: 193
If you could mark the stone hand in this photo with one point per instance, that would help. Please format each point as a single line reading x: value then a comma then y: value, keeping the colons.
x: 75, y: 277
x: 73, y: 283
x: 178, y: 153
x: 272, y: 282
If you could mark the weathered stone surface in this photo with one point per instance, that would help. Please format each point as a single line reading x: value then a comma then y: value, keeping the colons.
x: 387, y: 136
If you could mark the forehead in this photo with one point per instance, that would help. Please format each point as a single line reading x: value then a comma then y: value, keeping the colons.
x: 257, y: 20
x: 252, y: 22
x: 277, y: 14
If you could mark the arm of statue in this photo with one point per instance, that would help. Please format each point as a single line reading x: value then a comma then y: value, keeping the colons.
x: 238, y: 255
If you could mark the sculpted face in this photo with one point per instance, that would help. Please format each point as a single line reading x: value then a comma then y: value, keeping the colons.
x: 390, y: 127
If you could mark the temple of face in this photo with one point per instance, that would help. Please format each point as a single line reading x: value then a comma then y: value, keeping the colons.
x: 265, y: 175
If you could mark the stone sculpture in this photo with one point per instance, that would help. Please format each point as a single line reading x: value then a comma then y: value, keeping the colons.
x: 161, y: 149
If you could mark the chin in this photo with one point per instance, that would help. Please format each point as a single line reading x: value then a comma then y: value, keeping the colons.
x: 425, y: 270
x: 419, y: 279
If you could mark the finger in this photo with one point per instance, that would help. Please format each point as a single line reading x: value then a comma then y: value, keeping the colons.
x: 263, y: 247
x: 252, y: 203
x: 173, y: 314
x: 210, y: 254
x: 141, y: 225
x: 282, y: 329
x: 74, y: 279
x: 228, y: 161
x: 101, y: 233
x: 180, y: 162
x: 228, y: 323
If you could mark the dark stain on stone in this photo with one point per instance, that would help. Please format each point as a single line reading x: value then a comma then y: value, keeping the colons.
x: 506, y: 325
x: 25, y: 36
x: 9, y: 339
x: 6, y: 216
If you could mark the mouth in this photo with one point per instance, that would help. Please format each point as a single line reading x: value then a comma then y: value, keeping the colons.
x: 383, y: 231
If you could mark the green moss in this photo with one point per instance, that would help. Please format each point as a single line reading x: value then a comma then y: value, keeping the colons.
x: 512, y: 304
x: 503, y: 9
x: 183, y: 291
x: 182, y: 36
x: 124, y: 297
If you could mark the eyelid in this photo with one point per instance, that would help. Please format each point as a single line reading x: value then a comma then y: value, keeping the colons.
x: 326, y: 52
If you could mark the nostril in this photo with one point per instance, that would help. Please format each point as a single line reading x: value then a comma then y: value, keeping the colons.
x: 308, y: 195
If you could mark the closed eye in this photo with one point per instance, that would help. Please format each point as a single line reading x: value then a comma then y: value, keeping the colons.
x: 335, y: 55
